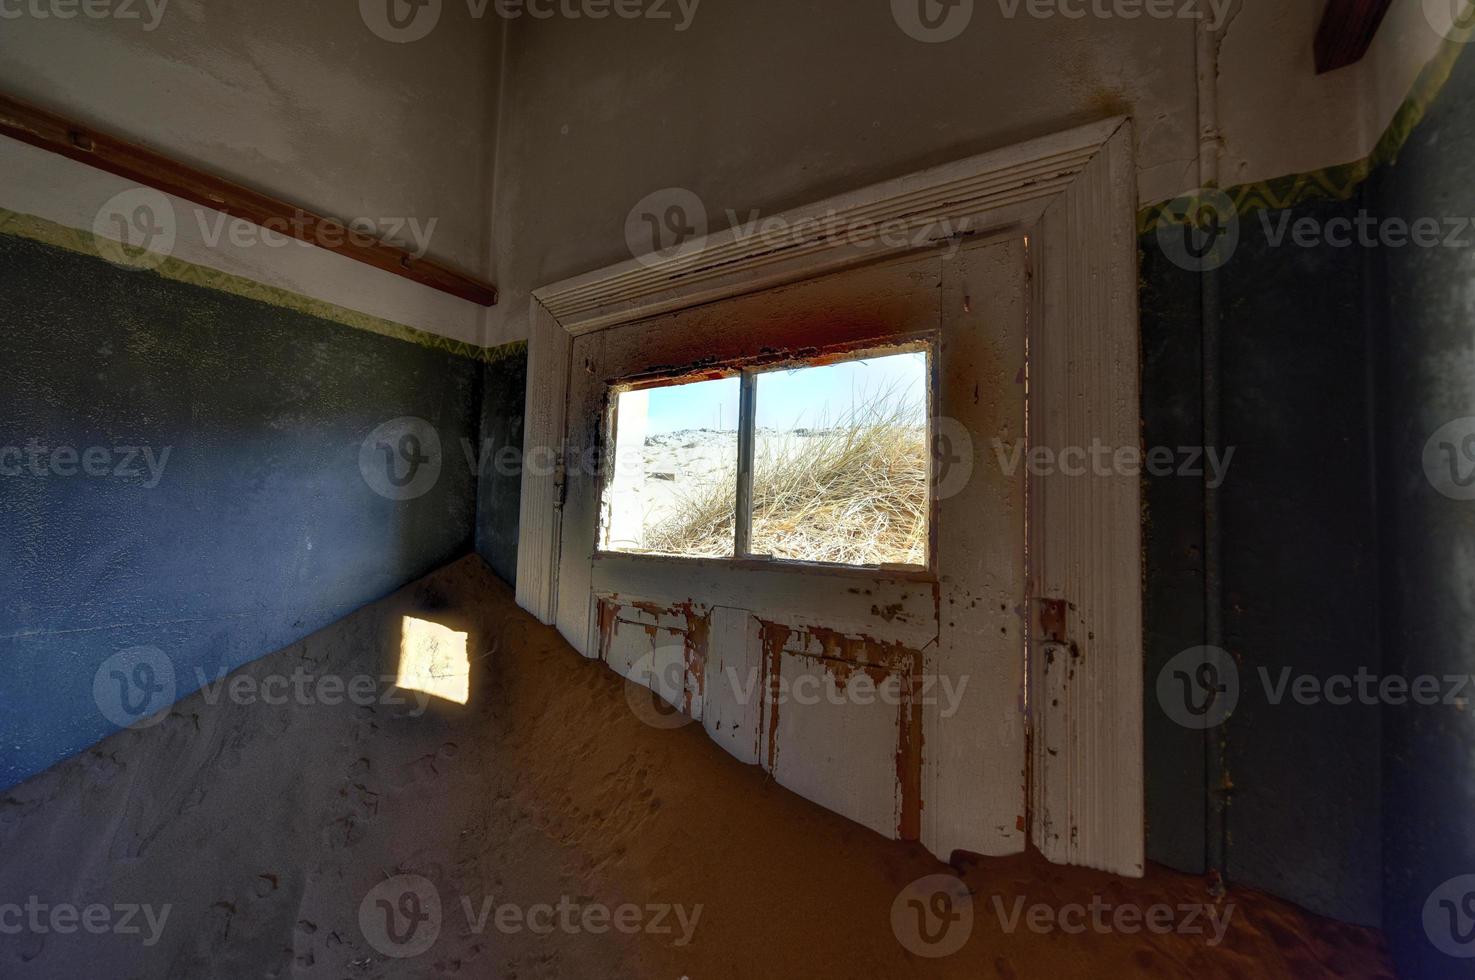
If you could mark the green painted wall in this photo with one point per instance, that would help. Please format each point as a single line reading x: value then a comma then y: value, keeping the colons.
x: 1426, y: 383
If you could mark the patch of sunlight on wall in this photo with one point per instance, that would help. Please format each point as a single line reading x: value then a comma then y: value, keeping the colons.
x: 433, y: 659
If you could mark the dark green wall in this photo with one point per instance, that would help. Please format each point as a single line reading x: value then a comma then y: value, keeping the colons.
x: 1336, y: 366
x: 1296, y: 526
x: 499, y: 486
x: 1173, y: 543
x: 1426, y: 378
x: 1300, y: 588
x: 261, y: 526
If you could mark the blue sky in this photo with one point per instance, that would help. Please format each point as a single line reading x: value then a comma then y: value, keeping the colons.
x: 798, y: 398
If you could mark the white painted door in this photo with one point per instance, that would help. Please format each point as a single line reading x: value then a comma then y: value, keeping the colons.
x: 896, y: 698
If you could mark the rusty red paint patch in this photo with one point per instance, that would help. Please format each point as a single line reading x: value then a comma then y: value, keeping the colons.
x: 909, y: 753
x: 1052, y: 620
x: 775, y: 637
x: 698, y: 638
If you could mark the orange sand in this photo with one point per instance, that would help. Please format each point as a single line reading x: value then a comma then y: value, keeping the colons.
x: 264, y: 828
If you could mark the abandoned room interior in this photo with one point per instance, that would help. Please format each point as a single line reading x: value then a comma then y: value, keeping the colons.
x: 706, y: 489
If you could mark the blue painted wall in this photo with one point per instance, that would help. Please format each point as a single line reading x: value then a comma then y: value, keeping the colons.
x: 256, y: 529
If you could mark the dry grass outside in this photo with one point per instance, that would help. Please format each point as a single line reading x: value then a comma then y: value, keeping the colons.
x: 853, y: 493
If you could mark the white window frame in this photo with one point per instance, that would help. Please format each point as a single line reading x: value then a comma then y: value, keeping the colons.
x: 1074, y: 195
x: 748, y: 373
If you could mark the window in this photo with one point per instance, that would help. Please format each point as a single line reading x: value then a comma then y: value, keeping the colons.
x: 824, y: 460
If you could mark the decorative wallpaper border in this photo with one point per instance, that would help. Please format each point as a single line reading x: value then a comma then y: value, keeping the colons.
x: 1340, y: 182
x: 73, y: 240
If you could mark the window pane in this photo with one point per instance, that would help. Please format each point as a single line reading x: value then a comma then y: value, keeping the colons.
x: 674, y: 485
x: 840, y: 462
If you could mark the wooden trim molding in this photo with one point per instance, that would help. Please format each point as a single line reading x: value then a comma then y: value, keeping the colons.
x: 1073, y: 195
x: 49, y: 131
x: 1007, y: 187
x: 1347, y: 31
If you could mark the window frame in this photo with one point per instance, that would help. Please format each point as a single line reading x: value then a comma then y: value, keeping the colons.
x: 1076, y: 195
x: 748, y: 370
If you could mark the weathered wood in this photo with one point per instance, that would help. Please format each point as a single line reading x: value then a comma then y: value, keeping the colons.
x: 732, y: 701
x: 49, y: 131
x: 838, y: 751
x: 974, y: 747
x: 1007, y: 186
x: 586, y: 461
x: 540, y: 507
x: 848, y: 602
x: 1085, y: 530
x: 747, y: 425
x: 1347, y: 31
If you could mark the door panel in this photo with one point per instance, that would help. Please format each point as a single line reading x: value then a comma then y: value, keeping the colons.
x: 839, y: 746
